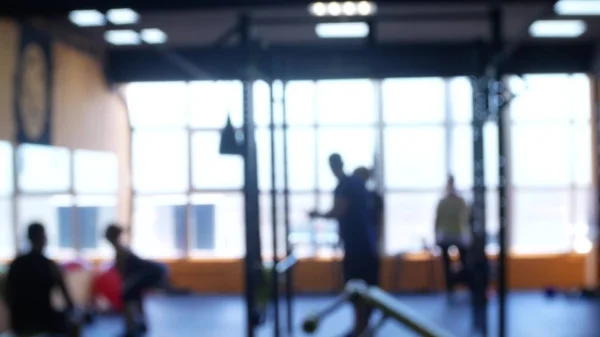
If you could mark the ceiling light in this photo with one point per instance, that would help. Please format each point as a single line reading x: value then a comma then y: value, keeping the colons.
x: 318, y: 9
x: 334, y: 9
x: 153, y: 36
x: 349, y: 8
x: 123, y: 16
x: 87, y: 18
x: 342, y: 30
x: 557, y: 28
x: 366, y: 8
x: 577, y: 7
x: 122, y: 37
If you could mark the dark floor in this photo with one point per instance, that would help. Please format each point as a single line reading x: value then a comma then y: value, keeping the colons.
x: 530, y: 315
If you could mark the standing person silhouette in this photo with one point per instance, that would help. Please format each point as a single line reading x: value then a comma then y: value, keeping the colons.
x: 376, y: 205
x: 452, y: 229
x: 351, y: 210
x: 29, y: 284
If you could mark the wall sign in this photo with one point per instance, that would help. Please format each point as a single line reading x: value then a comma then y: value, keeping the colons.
x: 33, y: 87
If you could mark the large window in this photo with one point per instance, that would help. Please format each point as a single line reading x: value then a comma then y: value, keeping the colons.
x: 415, y: 131
x: 550, y: 148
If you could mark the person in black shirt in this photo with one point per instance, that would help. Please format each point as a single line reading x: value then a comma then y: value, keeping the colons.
x: 29, y: 283
x: 376, y: 205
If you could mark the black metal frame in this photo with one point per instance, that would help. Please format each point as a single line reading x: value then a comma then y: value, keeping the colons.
x: 254, y: 275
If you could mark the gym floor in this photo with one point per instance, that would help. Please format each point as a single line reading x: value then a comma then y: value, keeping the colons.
x: 530, y: 315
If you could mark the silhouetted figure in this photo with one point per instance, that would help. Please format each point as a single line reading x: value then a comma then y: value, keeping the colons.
x: 139, y: 276
x: 351, y: 210
x: 376, y: 206
x: 452, y: 229
x: 29, y: 284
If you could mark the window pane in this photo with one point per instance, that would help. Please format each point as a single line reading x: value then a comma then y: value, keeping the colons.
x: 582, y: 154
x: 541, y: 221
x: 491, y: 217
x: 300, y: 102
x: 301, y: 159
x: 262, y: 104
x: 461, y: 99
x: 44, y: 168
x: 345, y: 102
x: 160, y: 161
x: 541, y: 98
x: 300, y: 224
x: 211, y: 103
x: 584, y: 212
x: 212, y: 170
x: 414, y: 157
x: 409, y: 220
x: 355, y: 145
x: 159, y: 226
x: 55, y: 213
x: 7, y: 229
x: 157, y: 104
x: 94, y: 214
x: 413, y: 100
x: 581, y: 97
x: 96, y: 172
x: 218, y: 227
x: 266, y: 229
x: 461, y: 156
x: 6, y: 169
x: 263, y: 148
x: 490, y: 147
x: 541, y: 155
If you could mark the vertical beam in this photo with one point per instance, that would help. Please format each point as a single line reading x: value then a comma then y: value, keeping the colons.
x: 15, y: 197
x: 286, y: 214
x: 480, y: 265
x: 596, y: 158
x: 496, y: 108
x: 275, y: 237
x: 253, y: 265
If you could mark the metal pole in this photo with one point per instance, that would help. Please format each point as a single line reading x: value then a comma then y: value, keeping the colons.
x: 479, y: 259
x: 253, y: 267
x: 286, y: 213
x: 495, y: 108
x: 274, y: 274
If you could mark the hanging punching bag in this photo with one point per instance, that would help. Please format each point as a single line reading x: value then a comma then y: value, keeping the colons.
x: 230, y: 143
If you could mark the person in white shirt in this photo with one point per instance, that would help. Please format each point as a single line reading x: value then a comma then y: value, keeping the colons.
x: 452, y: 229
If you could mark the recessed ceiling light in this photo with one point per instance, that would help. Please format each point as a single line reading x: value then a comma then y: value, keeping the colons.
x: 318, y: 9
x: 366, y: 8
x: 342, y: 30
x: 577, y: 7
x: 154, y: 36
x: 87, y: 18
x: 122, y: 37
x: 557, y: 28
x: 349, y: 8
x: 123, y: 16
x: 334, y: 9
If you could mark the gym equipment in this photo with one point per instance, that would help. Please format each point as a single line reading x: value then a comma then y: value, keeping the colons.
x: 231, y: 144
x: 376, y: 299
x: 106, y: 290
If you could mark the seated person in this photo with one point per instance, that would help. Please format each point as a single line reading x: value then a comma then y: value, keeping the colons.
x: 29, y: 283
x: 139, y: 276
